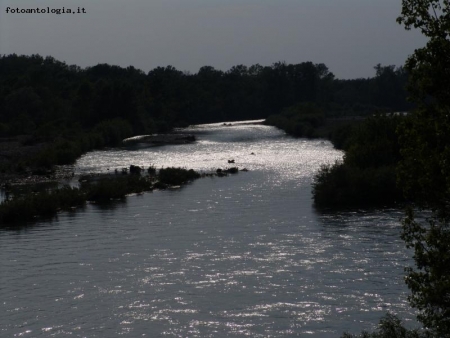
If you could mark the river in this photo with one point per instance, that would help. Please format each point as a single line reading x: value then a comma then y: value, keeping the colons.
x: 243, y: 255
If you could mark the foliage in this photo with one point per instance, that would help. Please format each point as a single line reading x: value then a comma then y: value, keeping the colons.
x: 115, y: 188
x: 45, y: 204
x: 386, y: 91
x: 389, y: 327
x: 424, y: 171
x: 176, y: 176
x: 424, y: 174
x: 430, y: 281
x: 65, y: 149
x: 71, y: 110
x: 367, y: 175
x: 341, y: 137
x: 374, y: 143
x: 429, y: 66
x: 151, y: 170
x: 343, y: 185
x: 300, y: 120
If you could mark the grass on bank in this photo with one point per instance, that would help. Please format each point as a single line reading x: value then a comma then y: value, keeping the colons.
x: 46, y: 204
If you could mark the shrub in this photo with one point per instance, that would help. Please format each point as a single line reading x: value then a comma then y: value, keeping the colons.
x: 177, y: 176
x: 367, y: 176
x: 44, y: 204
x: 341, y: 185
x: 390, y: 326
x: 47, y: 203
x: 115, y: 188
x: 300, y: 120
x: 151, y: 170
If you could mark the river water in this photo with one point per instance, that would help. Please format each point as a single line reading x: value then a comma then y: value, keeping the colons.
x: 244, y: 255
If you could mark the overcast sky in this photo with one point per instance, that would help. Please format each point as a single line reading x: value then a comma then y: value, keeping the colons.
x: 349, y: 36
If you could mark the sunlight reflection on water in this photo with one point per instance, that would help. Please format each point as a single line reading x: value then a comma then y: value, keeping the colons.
x: 290, y: 159
x: 245, y: 255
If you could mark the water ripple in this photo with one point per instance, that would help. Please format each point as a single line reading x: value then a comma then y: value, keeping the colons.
x: 245, y: 255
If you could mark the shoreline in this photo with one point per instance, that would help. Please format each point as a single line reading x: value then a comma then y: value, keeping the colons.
x: 27, y: 207
x: 160, y: 139
x: 13, y: 150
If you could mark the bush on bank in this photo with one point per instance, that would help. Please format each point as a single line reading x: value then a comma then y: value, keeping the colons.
x: 367, y: 176
x: 300, y: 120
x: 390, y: 326
x: 75, y: 142
x: 115, y: 188
x: 46, y: 204
x: 176, y: 176
x: 342, y: 185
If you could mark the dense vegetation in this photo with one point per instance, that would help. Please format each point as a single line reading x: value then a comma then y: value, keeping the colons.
x: 300, y: 120
x: 64, y: 111
x: 389, y: 327
x: 367, y: 175
x: 61, y: 111
x: 175, y: 176
x: 424, y: 172
x: 47, y: 203
x: 385, y: 93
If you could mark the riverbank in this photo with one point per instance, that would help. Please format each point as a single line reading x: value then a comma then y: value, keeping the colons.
x: 159, y: 139
x: 18, y: 167
x: 213, y: 239
x: 367, y: 175
x: 99, y: 188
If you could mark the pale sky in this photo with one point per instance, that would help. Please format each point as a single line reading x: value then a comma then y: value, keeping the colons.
x: 349, y: 36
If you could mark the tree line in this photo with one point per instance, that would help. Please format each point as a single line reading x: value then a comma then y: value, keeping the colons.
x: 73, y: 110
